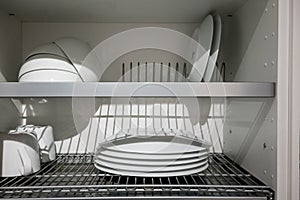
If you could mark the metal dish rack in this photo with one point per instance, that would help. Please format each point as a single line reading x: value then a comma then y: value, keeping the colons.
x: 73, y: 175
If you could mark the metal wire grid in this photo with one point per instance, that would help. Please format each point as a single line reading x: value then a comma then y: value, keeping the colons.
x: 74, y: 175
x: 71, y: 176
x: 110, y: 118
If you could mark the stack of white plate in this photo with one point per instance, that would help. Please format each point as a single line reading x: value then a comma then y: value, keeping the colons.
x: 61, y: 61
x: 156, y: 155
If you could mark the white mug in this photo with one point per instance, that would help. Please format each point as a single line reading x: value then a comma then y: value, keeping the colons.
x: 20, y: 155
x: 45, y: 138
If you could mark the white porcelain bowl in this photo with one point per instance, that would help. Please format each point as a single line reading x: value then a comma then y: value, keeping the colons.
x: 50, y: 62
x: 87, y: 74
x: 48, y: 49
x: 49, y: 76
x: 66, y: 54
x: 46, y: 62
x: 76, y: 50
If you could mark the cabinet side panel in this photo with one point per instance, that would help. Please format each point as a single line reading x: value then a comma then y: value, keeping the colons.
x: 250, y: 130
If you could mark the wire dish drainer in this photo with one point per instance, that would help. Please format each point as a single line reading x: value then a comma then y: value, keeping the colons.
x: 149, y: 113
x: 73, y: 175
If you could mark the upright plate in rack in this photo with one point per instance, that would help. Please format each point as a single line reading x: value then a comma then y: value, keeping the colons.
x: 201, y: 55
x: 214, y: 48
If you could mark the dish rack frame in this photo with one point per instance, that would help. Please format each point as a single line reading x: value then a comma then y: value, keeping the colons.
x: 74, y: 176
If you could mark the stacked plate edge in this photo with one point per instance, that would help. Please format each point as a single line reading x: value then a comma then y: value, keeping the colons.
x: 158, y: 155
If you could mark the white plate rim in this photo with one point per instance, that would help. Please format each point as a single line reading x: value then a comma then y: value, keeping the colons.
x: 155, y: 138
x: 123, y: 160
x: 153, y: 157
x: 144, y: 168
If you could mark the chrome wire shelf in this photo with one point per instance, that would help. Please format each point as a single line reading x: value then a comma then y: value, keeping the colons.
x: 73, y: 176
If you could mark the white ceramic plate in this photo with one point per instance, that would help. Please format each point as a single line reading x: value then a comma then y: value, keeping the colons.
x: 202, y: 53
x: 133, y: 155
x: 214, y: 48
x: 163, y: 144
x: 145, y: 168
x: 155, y: 148
x: 153, y: 174
x: 153, y: 132
x: 49, y: 76
x: 151, y: 162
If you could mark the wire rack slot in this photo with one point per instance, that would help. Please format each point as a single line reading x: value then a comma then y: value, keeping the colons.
x: 140, y: 114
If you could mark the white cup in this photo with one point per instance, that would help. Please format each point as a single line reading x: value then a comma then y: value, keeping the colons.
x: 45, y: 138
x: 20, y: 155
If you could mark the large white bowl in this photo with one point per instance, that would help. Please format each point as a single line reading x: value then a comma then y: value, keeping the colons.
x: 87, y: 74
x: 65, y: 54
x: 49, y: 76
x: 48, y: 49
x: 46, y: 62
x: 77, y: 51
x: 49, y: 62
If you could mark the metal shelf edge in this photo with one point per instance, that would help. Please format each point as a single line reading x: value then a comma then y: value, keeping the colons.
x: 138, y: 89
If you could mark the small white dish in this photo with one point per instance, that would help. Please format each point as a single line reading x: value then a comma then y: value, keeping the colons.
x: 20, y: 155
